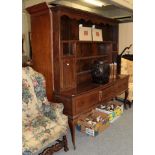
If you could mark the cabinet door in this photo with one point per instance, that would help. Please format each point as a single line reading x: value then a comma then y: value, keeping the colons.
x: 68, y: 74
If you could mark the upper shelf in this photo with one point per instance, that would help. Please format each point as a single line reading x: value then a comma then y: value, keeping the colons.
x: 91, y: 57
x: 80, y: 41
x: 78, y: 14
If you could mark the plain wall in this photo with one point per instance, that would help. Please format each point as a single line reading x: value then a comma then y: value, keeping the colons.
x: 125, y: 36
x: 25, y: 32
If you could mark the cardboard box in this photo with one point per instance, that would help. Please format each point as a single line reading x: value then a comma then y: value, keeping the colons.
x: 114, y: 113
x: 93, y: 123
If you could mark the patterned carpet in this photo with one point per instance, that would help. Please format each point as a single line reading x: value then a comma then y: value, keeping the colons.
x: 115, y: 140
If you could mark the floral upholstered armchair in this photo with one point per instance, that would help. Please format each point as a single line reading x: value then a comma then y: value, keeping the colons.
x: 43, y: 123
x: 127, y: 68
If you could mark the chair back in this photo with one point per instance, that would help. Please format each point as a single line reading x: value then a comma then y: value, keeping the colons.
x: 33, y: 94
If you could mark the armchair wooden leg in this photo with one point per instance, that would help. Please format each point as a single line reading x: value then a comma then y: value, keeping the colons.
x: 56, y: 147
x: 65, y: 143
x: 130, y: 104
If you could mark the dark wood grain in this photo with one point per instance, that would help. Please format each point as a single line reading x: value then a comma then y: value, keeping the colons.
x: 88, y: 96
x: 66, y: 62
x: 42, y: 44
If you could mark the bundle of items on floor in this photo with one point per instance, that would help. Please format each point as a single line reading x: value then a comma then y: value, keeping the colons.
x: 99, y: 119
x: 93, y: 123
x: 113, y: 108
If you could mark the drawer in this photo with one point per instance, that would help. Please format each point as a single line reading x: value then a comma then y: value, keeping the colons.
x: 107, y: 93
x: 121, y: 85
x: 86, y: 101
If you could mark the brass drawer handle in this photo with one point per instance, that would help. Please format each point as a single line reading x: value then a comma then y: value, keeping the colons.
x: 100, y: 95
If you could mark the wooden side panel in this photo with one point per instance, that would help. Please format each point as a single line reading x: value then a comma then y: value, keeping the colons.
x: 42, y: 53
x: 56, y: 50
x: 68, y: 74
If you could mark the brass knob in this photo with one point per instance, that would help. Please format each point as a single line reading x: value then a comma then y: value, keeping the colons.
x: 100, y: 95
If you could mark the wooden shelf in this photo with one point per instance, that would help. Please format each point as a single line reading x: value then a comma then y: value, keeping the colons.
x: 80, y: 41
x: 88, y: 71
x: 91, y: 57
x: 68, y: 56
x: 83, y: 72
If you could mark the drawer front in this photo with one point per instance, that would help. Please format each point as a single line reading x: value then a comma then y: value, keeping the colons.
x: 121, y: 85
x: 107, y: 93
x: 86, y: 101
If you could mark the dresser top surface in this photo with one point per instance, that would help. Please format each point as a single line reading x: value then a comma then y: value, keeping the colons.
x: 86, y: 87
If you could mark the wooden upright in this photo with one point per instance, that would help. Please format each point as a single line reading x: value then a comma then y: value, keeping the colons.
x: 42, y: 43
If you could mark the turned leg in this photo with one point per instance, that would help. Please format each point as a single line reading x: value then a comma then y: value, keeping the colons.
x: 65, y: 143
x: 130, y: 104
x: 125, y: 99
x: 72, y: 129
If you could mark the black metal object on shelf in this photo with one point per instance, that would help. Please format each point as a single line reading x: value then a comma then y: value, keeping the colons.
x: 100, y: 72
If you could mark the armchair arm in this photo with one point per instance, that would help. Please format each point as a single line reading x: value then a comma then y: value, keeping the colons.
x: 52, y: 110
x: 60, y: 117
x: 58, y: 107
